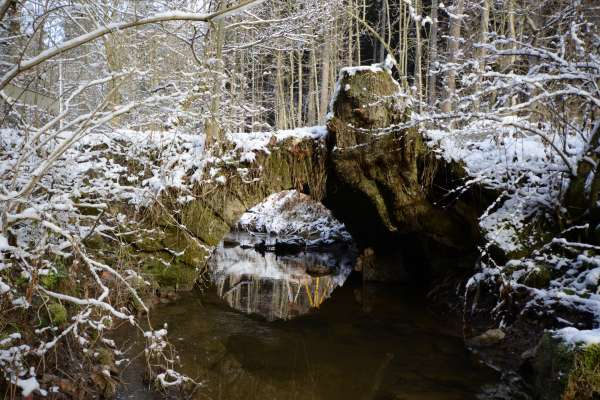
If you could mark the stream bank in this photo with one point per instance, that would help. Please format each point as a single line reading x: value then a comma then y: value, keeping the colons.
x: 305, y: 322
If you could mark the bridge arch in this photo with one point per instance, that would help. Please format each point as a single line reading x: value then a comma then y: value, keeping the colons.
x: 184, y: 234
x: 377, y: 177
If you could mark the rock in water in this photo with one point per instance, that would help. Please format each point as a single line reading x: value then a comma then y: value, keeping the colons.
x: 296, y: 220
x: 488, y: 338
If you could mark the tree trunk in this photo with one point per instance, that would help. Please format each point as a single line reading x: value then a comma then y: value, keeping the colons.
x: 325, y: 64
x: 299, y: 108
x: 455, y: 27
x: 280, y: 101
x: 512, y: 31
x: 214, y: 53
x: 311, y: 106
x: 418, y: 55
x: 481, y: 54
x: 114, y: 61
x: 433, y: 52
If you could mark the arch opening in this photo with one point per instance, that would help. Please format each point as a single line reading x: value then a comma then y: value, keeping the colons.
x: 283, y: 258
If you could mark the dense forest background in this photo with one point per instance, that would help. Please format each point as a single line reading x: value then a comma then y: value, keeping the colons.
x: 275, y: 66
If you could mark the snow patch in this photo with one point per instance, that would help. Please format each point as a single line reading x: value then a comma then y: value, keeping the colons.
x: 4, y: 288
x: 293, y: 216
x: 248, y: 144
x: 3, y: 243
x: 28, y: 386
x: 499, y: 156
x: 574, y: 336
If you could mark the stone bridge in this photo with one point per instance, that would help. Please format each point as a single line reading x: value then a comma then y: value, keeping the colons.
x: 381, y: 181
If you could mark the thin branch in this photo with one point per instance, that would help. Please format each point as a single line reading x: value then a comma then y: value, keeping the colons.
x: 114, y: 27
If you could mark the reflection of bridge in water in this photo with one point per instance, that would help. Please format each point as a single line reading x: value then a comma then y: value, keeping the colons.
x: 276, y: 287
x: 274, y: 298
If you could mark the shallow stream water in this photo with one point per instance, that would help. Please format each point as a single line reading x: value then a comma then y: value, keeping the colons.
x: 272, y: 341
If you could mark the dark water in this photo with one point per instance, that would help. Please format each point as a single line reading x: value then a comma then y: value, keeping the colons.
x: 364, y: 342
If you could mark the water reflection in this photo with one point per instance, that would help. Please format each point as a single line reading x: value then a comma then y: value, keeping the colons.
x: 275, y: 286
x: 366, y: 342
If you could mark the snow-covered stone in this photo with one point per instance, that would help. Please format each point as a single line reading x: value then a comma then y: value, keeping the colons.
x: 293, y: 216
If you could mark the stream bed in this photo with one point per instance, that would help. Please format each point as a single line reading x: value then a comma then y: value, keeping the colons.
x: 281, y: 333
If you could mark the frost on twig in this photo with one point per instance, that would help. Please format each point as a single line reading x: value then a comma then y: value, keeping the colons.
x: 60, y: 286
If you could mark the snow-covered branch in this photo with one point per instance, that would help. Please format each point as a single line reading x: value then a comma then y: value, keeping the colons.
x: 26, y: 65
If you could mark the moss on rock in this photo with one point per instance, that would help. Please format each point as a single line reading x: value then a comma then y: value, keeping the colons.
x: 539, y: 277
x: 204, y: 223
x: 150, y: 241
x: 49, y: 281
x: 105, y: 356
x: 185, y: 248
x: 566, y: 372
x: 168, y: 272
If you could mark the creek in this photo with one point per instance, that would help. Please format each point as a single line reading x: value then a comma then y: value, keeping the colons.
x: 267, y: 329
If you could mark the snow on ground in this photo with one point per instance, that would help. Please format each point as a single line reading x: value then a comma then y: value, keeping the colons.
x: 574, y: 336
x: 295, y: 217
x: 529, y: 175
x: 500, y: 158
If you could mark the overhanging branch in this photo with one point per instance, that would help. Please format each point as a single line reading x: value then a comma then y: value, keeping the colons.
x: 95, y: 34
